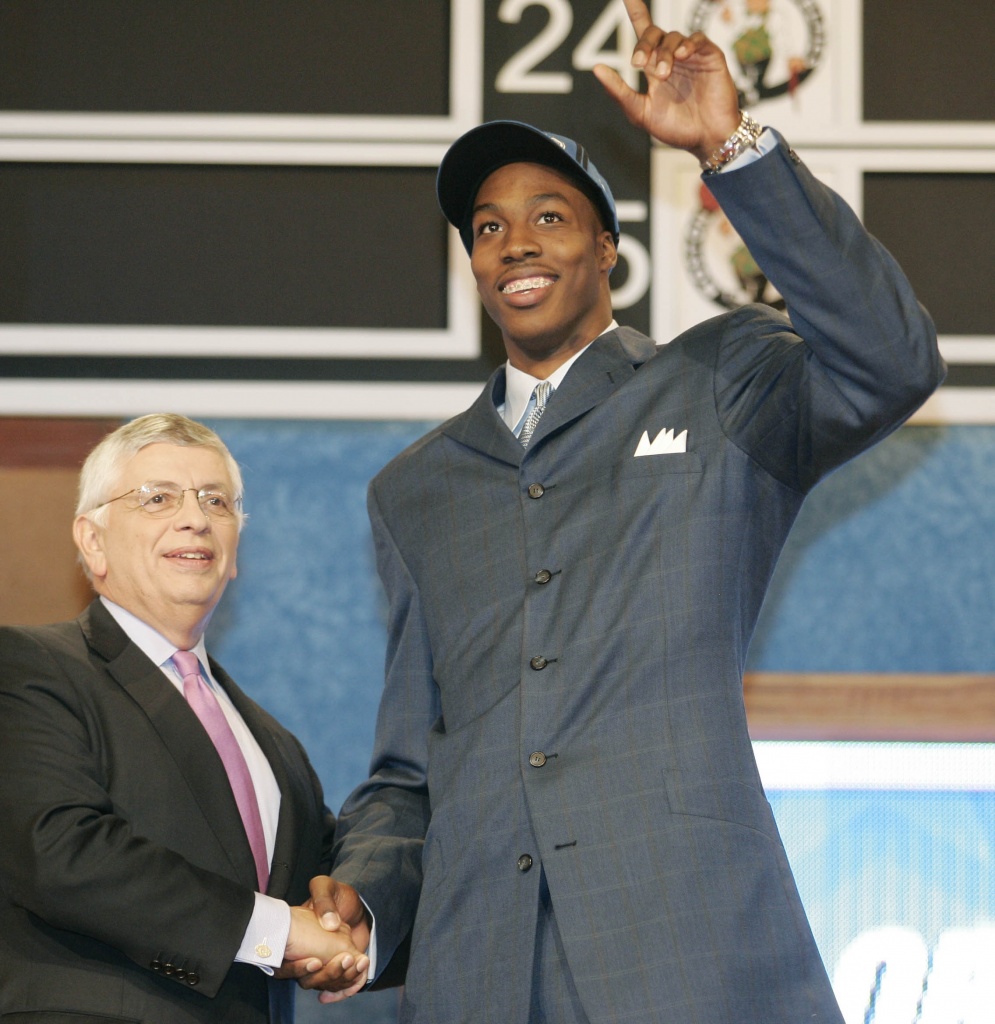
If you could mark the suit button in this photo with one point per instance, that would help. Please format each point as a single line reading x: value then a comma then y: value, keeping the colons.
x: 536, y: 490
x: 538, y: 663
x: 193, y: 978
x: 180, y: 974
x: 156, y: 965
x: 543, y: 576
x: 524, y: 862
x: 537, y: 759
x: 168, y: 969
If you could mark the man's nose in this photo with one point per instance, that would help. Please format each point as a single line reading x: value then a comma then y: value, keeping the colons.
x: 520, y: 242
x: 190, y: 514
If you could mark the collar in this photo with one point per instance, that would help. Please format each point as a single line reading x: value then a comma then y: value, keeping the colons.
x: 519, y: 385
x: 153, y: 645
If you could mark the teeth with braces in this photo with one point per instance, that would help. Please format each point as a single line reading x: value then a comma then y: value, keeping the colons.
x: 526, y: 284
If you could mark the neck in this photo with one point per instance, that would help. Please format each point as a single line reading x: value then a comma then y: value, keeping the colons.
x: 183, y: 634
x: 185, y: 640
x: 541, y: 362
x: 183, y: 626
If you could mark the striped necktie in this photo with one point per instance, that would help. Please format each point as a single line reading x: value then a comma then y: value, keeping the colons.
x: 540, y: 395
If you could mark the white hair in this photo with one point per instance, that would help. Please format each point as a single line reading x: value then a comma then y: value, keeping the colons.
x: 102, y: 468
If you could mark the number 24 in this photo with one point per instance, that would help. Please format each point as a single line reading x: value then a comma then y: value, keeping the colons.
x: 519, y: 74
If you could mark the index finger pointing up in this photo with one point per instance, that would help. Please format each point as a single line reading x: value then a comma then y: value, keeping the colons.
x: 647, y: 34
x: 639, y: 15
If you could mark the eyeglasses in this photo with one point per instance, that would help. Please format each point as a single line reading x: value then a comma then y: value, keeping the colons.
x: 165, y: 499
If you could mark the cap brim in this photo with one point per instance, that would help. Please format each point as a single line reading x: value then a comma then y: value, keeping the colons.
x: 483, y: 150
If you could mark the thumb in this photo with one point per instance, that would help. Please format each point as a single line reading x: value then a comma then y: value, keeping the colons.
x: 323, y: 893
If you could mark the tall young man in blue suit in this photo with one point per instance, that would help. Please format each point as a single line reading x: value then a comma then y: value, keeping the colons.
x: 142, y: 879
x: 564, y: 812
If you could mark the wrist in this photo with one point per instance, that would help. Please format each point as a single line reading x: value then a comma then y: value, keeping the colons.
x: 743, y: 138
x: 297, y: 934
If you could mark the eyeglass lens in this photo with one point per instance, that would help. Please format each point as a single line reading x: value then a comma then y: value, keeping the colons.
x: 165, y: 499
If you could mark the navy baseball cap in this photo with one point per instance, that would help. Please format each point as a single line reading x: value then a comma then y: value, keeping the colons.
x: 489, y: 146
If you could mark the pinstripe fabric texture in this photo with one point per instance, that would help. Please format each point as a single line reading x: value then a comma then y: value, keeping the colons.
x: 554, y: 998
x: 567, y: 632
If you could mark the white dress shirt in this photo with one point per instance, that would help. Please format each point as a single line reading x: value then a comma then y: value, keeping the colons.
x: 519, y: 385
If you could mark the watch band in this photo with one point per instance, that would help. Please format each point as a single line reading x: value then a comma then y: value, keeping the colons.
x: 743, y: 138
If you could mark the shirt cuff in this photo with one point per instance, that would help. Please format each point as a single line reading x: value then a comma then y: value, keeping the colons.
x: 372, y: 951
x: 265, y: 941
x: 765, y: 143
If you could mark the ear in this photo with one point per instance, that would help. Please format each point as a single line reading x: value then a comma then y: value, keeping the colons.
x: 90, y: 541
x: 607, y: 251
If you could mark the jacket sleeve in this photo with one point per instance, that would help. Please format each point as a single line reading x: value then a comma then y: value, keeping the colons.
x: 381, y: 827
x: 856, y: 354
x: 71, y: 856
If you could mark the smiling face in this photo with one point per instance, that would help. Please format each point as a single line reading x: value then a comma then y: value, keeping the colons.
x: 541, y: 258
x: 169, y: 572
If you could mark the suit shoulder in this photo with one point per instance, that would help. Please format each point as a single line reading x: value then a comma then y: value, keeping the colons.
x: 52, y: 637
x: 705, y: 341
x: 48, y: 655
x: 410, y: 458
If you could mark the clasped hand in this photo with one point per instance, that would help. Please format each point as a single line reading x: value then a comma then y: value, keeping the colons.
x: 329, y: 935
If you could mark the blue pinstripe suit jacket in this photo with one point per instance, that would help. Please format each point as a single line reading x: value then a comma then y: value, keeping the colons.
x: 567, y: 634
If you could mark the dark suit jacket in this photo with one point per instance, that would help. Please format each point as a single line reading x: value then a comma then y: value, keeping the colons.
x: 567, y: 633
x: 127, y: 880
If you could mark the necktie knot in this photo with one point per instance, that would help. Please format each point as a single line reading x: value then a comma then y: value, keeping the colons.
x: 187, y: 662
x: 540, y: 395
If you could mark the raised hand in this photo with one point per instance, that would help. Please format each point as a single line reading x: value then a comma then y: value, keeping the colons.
x: 690, y: 101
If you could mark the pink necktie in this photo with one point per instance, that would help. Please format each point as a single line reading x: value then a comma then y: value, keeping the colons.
x: 206, y: 707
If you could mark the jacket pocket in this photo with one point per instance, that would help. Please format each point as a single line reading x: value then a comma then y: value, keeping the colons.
x: 722, y: 800
x: 657, y: 465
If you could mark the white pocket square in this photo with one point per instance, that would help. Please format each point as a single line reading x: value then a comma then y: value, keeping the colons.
x: 663, y: 444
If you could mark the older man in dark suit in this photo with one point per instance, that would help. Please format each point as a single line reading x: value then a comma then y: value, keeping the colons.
x: 564, y: 813
x: 154, y: 821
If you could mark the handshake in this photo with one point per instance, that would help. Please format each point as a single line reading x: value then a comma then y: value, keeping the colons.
x: 329, y: 936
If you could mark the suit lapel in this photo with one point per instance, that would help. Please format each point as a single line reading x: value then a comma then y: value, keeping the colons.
x: 611, y: 361
x: 293, y: 812
x: 482, y: 429
x: 182, y: 734
x: 601, y: 370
